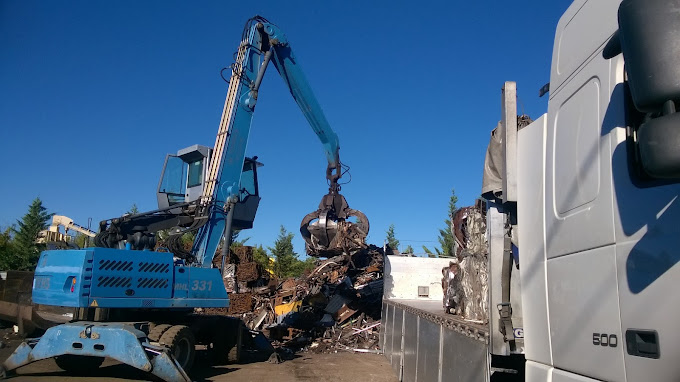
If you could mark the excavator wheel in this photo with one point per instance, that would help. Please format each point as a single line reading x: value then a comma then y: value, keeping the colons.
x: 157, y: 331
x: 227, y: 343
x: 180, y: 340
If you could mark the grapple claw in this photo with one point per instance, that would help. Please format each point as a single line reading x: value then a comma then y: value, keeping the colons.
x: 329, y: 231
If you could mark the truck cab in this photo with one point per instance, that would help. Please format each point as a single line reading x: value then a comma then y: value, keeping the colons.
x: 597, y: 200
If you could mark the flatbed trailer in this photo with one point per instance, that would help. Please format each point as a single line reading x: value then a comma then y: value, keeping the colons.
x: 443, y: 348
x: 419, y: 339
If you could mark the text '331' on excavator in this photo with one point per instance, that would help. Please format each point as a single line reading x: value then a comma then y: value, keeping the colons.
x: 136, y: 305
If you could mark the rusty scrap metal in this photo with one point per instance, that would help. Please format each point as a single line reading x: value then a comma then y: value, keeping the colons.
x: 339, y: 304
x: 240, y: 303
x: 244, y: 254
x: 248, y: 272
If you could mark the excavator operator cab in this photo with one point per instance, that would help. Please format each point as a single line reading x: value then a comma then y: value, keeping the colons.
x: 183, y: 180
x: 249, y: 195
x: 182, y: 177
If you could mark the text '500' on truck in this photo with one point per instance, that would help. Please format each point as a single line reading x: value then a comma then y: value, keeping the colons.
x: 579, y: 222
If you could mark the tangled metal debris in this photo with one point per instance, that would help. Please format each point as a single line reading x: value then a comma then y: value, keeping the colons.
x: 468, y: 227
x: 335, y: 307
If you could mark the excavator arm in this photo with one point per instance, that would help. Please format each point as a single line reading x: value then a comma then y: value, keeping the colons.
x: 229, y: 199
x: 264, y: 43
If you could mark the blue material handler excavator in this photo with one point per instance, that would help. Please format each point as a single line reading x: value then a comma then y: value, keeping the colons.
x: 134, y: 304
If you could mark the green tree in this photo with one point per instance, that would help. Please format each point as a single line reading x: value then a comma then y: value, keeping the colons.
x: 445, y: 239
x: 83, y: 241
x: 261, y: 257
x: 188, y: 240
x: 7, y: 251
x: 428, y: 252
x: 303, y: 266
x: 391, y: 238
x: 445, y: 236
x: 26, y: 250
x: 133, y: 209
x: 235, y: 242
x: 408, y: 250
x: 284, y: 256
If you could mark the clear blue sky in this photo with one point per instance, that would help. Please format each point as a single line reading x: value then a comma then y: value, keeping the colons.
x: 94, y: 94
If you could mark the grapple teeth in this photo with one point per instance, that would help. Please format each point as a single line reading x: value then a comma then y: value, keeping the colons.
x: 329, y: 232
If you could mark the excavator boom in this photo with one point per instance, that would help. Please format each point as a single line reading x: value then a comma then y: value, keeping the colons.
x: 264, y: 43
x: 224, y: 197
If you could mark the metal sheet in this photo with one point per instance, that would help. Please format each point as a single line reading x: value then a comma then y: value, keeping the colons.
x: 430, y: 347
x: 388, y: 327
x: 433, y: 311
x: 428, y: 351
x: 595, y: 293
x: 410, y: 347
x: 534, y: 296
x: 121, y: 274
x: 397, y: 337
x: 389, y: 335
x: 509, y: 136
x: 463, y: 358
x: 381, y: 337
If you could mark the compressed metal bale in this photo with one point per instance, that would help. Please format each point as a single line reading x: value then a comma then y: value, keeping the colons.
x: 469, y: 230
x: 244, y: 254
x: 240, y: 303
x: 247, y: 272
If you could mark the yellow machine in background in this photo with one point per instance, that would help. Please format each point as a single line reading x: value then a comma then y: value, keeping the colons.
x: 54, y: 237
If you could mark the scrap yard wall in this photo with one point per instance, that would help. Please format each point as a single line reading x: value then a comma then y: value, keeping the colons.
x: 421, y: 342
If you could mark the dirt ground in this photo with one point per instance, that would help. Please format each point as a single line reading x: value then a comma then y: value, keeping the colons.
x: 337, y: 367
x: 313, y: 367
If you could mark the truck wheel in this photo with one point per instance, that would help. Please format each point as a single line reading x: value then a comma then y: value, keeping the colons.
x: 182, y: 344
x: 157, y: 331
x: 78, y: 363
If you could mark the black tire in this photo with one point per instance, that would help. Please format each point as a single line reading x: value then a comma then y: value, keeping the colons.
x: 182, y: 344
x: 157, y: 331
x: 78, y: 363
x: 226, y: 342
x: 219, y: 351
x: 234, y: 355
x: 224, y: 352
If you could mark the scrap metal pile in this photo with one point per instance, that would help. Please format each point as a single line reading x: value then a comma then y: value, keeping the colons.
x: 334, y: 307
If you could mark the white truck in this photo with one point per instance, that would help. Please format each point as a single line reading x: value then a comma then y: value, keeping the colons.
x: 587, y: 198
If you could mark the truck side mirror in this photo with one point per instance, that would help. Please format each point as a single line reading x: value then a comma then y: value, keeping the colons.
x: 649, y: 32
